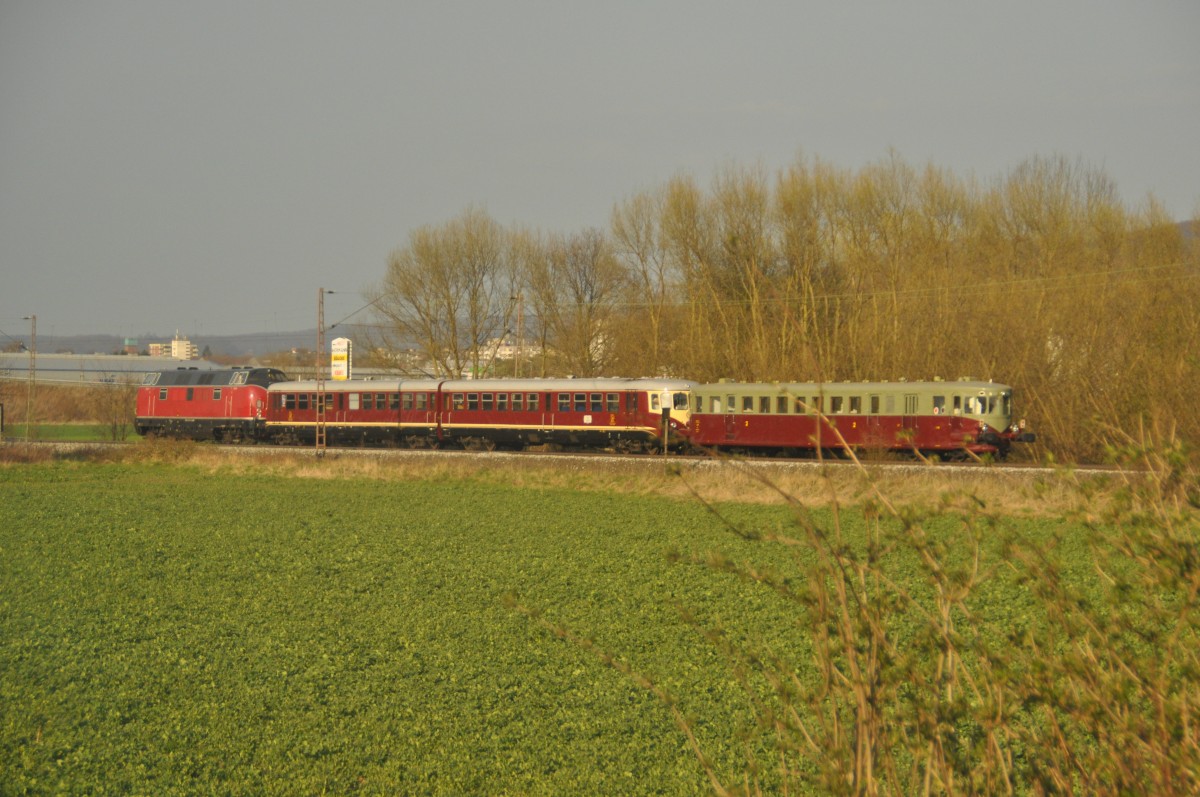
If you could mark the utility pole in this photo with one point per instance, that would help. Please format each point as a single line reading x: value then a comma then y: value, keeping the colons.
x: 32, y: 374
x: 320, y: 428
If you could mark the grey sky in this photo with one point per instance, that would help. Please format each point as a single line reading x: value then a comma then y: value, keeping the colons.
x: 206, y: 166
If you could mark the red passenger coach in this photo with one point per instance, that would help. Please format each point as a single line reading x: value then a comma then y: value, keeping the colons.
x: 205, y: 405
x: 943, y: 419
x: 484, y: 414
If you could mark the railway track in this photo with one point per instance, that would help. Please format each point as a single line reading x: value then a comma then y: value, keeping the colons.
x: 502, y: 458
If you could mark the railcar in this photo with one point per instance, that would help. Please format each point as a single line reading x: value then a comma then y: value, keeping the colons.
x: 942, y: 419
x: 205, y: 405
x: 484, y: 414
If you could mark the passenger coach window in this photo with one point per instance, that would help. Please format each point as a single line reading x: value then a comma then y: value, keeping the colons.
x: 459, y: 401
x: 303, y: 405
x: 472, y: 401
x: 874, y: 405
x: 836, y: 404
x: 485, y: 402
x: 532, y: 402
x: 502, y: 402
x: 564, y: 402
x: 596, y: 402
x: 406, y: 403
x: 781, y: 403
x: 216, y: 394
x: 855, y: 404
x: 353, y: 401
x: 581, y: 402
x: 162, y: 394
x: 614, y: 401
x: 518, y: 402
x: 747, y: 403
x: 764, y: 404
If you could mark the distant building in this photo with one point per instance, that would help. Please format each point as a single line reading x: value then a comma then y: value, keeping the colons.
x: 91, y: 369
x: 179, y: 349
x: 184, y: 349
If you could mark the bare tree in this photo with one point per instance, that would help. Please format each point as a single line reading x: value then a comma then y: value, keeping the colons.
x: 575, y: 286
x: 449, y: 292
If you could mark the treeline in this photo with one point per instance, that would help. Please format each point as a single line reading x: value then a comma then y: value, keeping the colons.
x: 1042, y: 279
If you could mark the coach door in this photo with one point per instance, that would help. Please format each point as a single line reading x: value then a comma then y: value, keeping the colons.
x: 910, y: 417
x: 875, y: 433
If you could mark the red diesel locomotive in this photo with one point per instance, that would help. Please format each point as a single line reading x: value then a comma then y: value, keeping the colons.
x: 205, y: 405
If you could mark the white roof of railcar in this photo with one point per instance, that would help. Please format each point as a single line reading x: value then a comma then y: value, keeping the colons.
x: 772, y: 388
x: 481, y: 385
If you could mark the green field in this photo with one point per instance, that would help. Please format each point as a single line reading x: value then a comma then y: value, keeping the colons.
x: 67, y: 432
x: 172, y: 629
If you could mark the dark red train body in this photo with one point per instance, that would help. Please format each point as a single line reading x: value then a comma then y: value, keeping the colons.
x: 944, y: 419
x: 624, y: 414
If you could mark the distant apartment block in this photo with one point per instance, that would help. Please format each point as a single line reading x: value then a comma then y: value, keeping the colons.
x: 179, y: 349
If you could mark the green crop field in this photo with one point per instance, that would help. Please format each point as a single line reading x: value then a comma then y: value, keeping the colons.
x: 174, y: 629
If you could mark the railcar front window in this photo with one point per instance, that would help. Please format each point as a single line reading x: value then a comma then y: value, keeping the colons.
x: 939, y: 405
x: 681, y: 401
